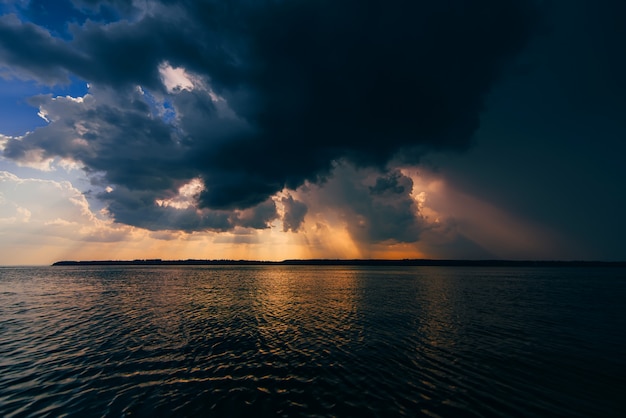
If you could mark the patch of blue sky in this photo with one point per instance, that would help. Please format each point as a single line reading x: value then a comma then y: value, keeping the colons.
x: 57, y: 16
x: 162, y: 109
x: 54, y: 16
x: 17, y: 115
x: 8, y: 6
x: 169, y: 114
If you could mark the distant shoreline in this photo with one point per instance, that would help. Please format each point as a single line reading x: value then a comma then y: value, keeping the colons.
x: 350, y: 262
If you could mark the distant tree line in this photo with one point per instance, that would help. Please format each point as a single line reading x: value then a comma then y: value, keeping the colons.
x: 353, y: 262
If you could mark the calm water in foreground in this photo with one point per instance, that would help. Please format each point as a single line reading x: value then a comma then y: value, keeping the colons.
x: 312, y: 341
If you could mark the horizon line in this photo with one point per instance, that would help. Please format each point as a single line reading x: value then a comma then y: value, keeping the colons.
x: 349, y: 262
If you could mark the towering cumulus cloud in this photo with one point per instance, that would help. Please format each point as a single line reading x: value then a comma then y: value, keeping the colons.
x: 198, y: 112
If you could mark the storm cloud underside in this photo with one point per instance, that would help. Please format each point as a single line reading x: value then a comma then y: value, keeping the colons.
x: 273, y: 94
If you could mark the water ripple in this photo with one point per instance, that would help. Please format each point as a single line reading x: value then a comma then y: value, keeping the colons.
x: 300, y: 341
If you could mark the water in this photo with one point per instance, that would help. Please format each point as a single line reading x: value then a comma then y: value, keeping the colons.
x: 312, y: 341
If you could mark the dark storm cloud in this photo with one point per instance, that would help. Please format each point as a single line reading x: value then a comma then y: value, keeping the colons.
x: 295, y: 211
x: 325, y: 80
x: 139, y: 209
x: 389, y: 212
x: 375, y: 207
x: 258, y: 217
x: 304, y: 83
x: 30, y: 51
x: 107, y: 9
x: 111, y: 136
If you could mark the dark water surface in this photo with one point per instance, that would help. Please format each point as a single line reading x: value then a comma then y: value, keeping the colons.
x: 312, y: 341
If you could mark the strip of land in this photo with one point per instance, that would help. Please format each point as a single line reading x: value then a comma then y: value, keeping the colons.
x: 353, y: 262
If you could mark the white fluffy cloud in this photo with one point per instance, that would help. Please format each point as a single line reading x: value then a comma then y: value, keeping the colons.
x: 43, y: 208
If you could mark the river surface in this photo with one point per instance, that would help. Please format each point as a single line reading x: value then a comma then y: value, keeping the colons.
x: 239, y: 341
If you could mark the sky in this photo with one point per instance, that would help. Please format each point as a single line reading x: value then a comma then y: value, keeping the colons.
x: 279, y: 129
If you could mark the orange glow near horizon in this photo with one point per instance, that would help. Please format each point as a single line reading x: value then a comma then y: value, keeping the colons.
x: 77, y: 233
x: 270, y: 244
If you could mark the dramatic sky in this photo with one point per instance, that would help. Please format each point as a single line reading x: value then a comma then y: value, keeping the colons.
x: 274, y: 129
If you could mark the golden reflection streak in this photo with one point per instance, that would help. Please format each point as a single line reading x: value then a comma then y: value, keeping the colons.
x: 294, y: 303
